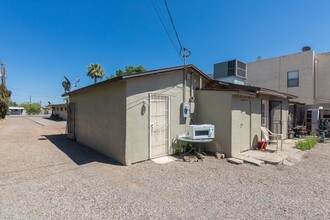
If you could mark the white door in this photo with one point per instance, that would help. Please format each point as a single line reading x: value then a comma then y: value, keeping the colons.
x: 241, y: 125
x: 159, y: 125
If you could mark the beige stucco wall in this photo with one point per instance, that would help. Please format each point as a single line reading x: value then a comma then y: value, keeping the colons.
x: 101, y: 119
x: 225, y: 113
x: 323, y: 77
x: 138, y: 90
x: 272, y: 74
x: 214, y: 107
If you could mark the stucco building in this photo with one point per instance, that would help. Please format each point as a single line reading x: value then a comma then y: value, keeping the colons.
x: 15, y: 110
x: 60, y: 110
x: 137, y: 117
x: 303, y: 74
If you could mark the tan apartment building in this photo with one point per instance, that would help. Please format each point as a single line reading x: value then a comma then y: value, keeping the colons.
x: 304, y: 74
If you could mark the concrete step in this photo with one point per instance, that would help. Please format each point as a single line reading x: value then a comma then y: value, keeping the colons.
x: 253, y: 161
x: 271, y: 158
x: 235, y: 160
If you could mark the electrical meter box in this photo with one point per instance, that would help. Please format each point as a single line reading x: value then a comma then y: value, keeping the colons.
x: 186, y: 110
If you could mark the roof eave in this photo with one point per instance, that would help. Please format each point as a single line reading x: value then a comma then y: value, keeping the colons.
x: 147, y: 73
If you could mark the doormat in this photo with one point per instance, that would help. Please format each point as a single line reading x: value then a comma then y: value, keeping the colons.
x: 163, y: 160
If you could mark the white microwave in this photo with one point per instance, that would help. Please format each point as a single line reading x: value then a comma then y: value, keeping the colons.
x: 204, y: 131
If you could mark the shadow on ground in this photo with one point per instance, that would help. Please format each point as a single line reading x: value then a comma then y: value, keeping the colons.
x: 78, y: 153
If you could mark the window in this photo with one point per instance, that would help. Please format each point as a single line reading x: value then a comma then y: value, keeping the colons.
x: 61, y: 108
x: 293, y: 78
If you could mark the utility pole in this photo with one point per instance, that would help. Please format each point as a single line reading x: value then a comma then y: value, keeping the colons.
x: 186, y: 53
x: 3, y: 74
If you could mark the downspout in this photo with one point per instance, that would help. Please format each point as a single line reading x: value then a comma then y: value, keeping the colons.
x: 184, y: 84
x: 191, y: 85
x: 279, y: 74
x: 184, y: 95
x: 316, y: 67
x: 250, y: 139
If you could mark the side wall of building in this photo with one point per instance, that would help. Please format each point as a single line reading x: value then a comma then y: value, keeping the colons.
x: 100, y: 119
x: 138, y: 90
x: 214, y: 107
x: 323, y: 77
x: 272, y: 74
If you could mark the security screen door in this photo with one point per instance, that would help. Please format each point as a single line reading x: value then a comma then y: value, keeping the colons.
x: 275, y: 116
x: 159, y: 125
x: 71, y: 121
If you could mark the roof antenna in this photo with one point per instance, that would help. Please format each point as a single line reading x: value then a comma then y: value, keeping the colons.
x: 66, y: 85
x: 186, y: 53
x: 77, y: 81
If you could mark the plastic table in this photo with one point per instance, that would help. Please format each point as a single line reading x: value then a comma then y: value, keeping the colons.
x: 194, y: 141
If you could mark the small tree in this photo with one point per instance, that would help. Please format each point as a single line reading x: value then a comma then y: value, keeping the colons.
x: 130, y: 70
x: 11, y: 103
x: 4, y: 101
x: 95, y: 71
x: 31, y: 109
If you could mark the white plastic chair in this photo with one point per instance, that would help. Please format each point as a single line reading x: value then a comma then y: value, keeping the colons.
x: 267, y: 134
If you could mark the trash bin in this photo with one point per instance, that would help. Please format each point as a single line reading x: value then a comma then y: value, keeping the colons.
x: 262, y: 145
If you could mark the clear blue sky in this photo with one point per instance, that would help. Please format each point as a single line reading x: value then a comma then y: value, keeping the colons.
x: 42, y: 41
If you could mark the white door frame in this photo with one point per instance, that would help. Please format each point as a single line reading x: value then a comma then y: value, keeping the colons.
x: 168, y: 122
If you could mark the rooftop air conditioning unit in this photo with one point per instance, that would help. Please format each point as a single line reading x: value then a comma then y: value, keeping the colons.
x: 232, y: 68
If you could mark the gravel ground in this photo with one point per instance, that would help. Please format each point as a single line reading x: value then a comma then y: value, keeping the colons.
x: 43, y: 175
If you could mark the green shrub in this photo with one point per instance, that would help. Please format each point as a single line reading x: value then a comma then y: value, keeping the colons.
x: 31, y: 109
x: 178, y: 150
x: 183, y: 146
x: 307, y: 144
x: 4, y: 100
x: 3, y: 107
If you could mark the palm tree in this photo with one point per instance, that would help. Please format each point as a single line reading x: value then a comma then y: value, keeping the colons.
x: 95, y: 71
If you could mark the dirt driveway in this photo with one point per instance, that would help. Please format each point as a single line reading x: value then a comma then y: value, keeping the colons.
x: 43, y: 175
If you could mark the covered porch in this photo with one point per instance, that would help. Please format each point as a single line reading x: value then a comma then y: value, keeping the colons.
x: 238, y: 113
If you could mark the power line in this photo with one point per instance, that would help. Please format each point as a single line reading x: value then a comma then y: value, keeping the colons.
x: 39, y: 96
x: 176, y: 33
x: 31, y: 91
x: 155, y: 5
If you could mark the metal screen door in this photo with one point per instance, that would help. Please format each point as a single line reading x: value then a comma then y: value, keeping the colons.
x: 275, y: 116
x: 71, y: 121
x: 159, y: 125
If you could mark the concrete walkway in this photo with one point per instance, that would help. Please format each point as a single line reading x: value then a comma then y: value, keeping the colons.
x: 289, y: 155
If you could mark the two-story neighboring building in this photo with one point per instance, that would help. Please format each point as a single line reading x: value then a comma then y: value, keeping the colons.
x: 304, y: 74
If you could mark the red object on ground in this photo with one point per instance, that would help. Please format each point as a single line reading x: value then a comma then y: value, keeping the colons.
x: 262, y: 145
